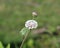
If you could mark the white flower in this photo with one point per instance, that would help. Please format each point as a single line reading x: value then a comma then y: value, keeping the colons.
x: 30, y: 24
x: 34, y: 13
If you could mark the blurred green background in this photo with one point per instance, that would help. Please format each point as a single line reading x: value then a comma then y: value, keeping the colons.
x: 14, y: 13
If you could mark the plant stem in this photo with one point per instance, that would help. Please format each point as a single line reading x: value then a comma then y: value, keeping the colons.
x: 25, y: 38
x: 33, y: 17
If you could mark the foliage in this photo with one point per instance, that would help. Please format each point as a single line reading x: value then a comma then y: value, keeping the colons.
x: 1, y: 46
x: 14, y: 13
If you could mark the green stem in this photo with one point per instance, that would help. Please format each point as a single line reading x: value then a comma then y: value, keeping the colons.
x: 25, y: 39
x: 33, y: 17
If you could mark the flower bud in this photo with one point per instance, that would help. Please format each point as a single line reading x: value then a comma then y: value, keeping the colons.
x: 34, y: 13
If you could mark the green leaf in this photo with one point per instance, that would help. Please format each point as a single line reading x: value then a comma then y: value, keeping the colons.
x: 8, y: 46
x: 24, y: 31
x: 30, y: 42
x: 1, y: 46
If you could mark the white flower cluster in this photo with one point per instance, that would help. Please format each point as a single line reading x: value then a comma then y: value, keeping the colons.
x: 31, y: 24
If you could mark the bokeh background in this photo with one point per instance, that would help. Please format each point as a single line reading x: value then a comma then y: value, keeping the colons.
x: 14, y: 13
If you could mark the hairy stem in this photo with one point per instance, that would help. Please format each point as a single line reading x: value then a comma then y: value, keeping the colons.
x: 25, y: 39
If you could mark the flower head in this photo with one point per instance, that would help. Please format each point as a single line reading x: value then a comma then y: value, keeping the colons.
x: 30, y: 24
x: 34, y: 13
